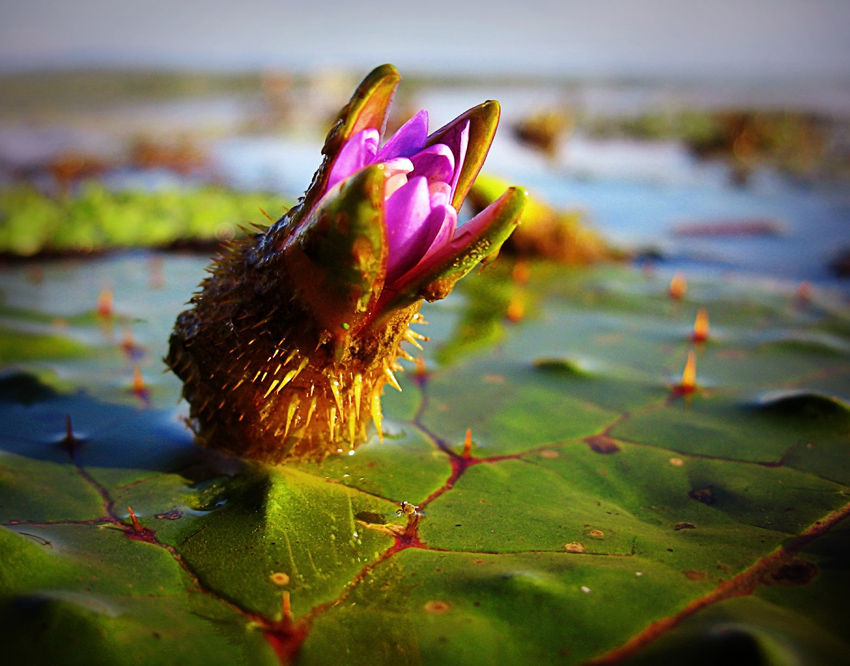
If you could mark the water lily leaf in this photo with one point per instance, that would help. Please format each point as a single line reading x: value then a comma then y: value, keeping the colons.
x: 23, y: 346
x: 566, y: 500
x: 284, y: 521
x: 748, y: 631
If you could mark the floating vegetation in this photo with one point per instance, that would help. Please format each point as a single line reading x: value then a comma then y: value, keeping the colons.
x: 97, y: 219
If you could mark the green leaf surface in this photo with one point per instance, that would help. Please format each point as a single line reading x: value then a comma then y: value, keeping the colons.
x: 597, y: 513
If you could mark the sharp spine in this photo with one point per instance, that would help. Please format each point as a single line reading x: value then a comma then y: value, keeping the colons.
x: 391, y: 377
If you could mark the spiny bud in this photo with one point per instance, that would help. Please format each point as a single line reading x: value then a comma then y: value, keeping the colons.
x: 291, y: 339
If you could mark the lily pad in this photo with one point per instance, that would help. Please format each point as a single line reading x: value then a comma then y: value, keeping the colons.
x: 571, y: 501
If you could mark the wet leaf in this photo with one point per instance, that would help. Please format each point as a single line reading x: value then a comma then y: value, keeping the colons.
x: 567, y: 503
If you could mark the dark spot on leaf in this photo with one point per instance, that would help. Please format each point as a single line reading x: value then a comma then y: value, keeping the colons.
x: 602, y: 444
x: 798, y: 572
x: 684, y: 526
x: 703, y: 495
x: 169, y: 515
x: 693, y: 574
x: 370, y: 517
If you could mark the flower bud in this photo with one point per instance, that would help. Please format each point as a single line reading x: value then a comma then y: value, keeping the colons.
x: 289, y: 342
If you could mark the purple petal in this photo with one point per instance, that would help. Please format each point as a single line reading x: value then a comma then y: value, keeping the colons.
x: 398, y: 165
x: 396, y: 173
x: 456, y: 137
x: 408, y: 214
x: 441, y: 194
x: 357, y: 152
x: 408, y: 140
x: 469, y: 229
x: 434, y: 233
x: 436, y: 163
x: 446, y: 230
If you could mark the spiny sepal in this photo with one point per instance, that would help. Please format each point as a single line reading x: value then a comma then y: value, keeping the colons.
x: 337, y: 256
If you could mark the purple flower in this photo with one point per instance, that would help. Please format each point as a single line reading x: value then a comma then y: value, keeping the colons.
x: 287, y: 348
x: 377, y: 230
x: 421, y: 181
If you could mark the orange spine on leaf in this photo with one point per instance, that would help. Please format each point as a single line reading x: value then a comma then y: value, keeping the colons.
x: 700, y: 327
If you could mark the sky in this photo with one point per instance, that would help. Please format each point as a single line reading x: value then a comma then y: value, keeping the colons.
x: 739, y: 38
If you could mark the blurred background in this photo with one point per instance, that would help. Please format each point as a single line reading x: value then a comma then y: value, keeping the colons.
x: 708, y: 135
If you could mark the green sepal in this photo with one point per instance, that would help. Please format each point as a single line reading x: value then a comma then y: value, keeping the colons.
x: 483, y: 121
x: 337, y: 258
x: 368, y: 107
x: 478, y: 240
